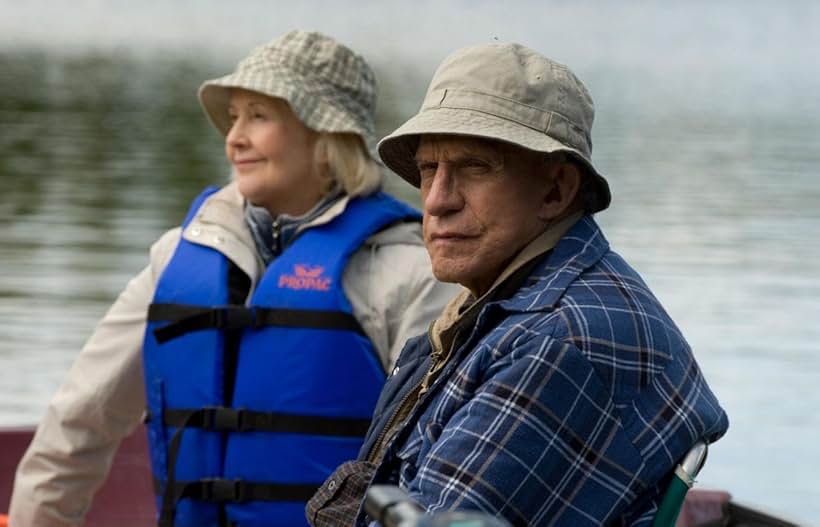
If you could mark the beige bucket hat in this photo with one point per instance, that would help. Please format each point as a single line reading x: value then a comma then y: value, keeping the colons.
x: 328, y: 86
x: 506, y: 92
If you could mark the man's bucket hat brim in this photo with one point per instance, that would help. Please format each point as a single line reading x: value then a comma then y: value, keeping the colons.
x: 398, y: 150
x: 505, y: 92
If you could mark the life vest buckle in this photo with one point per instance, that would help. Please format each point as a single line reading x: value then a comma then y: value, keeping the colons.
x: 222, y: 490
x: 224, y: 419
x: 233, y: 317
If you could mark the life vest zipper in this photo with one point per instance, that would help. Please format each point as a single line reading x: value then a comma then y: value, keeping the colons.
x: 276, y: 231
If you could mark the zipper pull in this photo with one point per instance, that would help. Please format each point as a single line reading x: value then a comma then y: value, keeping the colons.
x: 276, y: 231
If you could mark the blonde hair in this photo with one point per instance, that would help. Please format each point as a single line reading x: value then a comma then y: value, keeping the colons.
x: 342, y: 158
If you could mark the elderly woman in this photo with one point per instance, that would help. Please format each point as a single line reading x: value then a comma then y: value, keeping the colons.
x: 259, y: 335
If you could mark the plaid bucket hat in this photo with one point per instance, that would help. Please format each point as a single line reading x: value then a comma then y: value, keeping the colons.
x: 505, y: 92
x: 328, y: 86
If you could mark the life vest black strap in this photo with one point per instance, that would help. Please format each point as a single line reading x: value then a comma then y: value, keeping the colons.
x: 216, y: 490
x: 242, y: 420
x: 220, y: 490
x: 169, y: 498
x: 308, y: 318
x: 186, y: 318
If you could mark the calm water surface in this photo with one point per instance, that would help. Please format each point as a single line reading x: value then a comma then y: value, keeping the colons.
x: 707, y: 127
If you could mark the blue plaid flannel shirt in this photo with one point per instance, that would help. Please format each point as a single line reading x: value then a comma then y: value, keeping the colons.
x: 570, y: 402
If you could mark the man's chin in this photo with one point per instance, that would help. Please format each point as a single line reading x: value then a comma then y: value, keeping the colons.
x: 445, y: 275
x: 447, y: 270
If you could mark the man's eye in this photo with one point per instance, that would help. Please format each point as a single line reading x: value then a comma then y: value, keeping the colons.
x: 427, y: 173
x: 476, y: 167
x: 427, y: 168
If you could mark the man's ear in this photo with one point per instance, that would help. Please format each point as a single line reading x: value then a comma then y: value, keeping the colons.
x: 565, y: 180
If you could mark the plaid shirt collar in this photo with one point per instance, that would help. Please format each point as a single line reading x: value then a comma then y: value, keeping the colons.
x: 462, y: 310
x: 581, y: 247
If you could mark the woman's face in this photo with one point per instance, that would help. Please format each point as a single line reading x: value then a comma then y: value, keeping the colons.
x: 272, y: 154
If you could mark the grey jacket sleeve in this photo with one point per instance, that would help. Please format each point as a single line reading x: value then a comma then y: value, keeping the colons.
x: 394, y: 294
x: 100, y: 401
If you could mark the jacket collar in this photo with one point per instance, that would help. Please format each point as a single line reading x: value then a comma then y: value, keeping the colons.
x: 462, y: 311
x: 572, y: 246
x: 580, y: 248
x: 273, y: 235
x: 224, y: 205
x: 220, y: 224
x: 224, y: 208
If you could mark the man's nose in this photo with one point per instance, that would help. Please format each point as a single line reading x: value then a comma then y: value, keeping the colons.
x: 443, y: 195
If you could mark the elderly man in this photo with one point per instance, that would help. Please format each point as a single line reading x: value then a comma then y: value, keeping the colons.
x: 555, y: 390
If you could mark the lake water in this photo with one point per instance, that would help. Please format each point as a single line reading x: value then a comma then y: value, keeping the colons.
x: 707, y: 128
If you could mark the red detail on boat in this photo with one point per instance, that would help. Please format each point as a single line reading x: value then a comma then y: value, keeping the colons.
x: 126, y: 498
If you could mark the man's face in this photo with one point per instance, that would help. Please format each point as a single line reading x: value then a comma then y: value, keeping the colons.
x: 482, y: 201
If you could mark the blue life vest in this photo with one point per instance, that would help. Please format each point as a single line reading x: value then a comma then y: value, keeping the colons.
x: 306, y: 376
